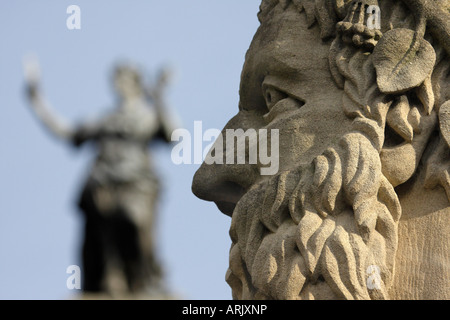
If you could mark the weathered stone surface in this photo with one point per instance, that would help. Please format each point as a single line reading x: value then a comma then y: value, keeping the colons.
x: 359, y: 208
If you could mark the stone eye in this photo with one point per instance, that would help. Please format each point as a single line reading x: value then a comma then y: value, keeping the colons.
x: 278, y: 102
x: 273, y: 96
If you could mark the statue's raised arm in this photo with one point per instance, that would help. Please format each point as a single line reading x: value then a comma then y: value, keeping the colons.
x: 40, y: 105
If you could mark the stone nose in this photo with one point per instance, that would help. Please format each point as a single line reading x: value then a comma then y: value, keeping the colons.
x: 223, y: 181
x: 224, y: 184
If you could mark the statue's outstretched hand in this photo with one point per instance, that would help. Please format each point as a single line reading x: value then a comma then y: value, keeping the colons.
x: 39, y: 105
x: 32, y: 77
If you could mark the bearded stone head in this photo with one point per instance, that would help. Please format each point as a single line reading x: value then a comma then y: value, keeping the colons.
x: 359, y: 207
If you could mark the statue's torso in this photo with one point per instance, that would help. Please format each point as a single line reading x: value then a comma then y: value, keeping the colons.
x: 122, y: 141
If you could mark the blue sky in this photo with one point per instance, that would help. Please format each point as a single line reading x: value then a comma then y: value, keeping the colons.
x: 203, y: 41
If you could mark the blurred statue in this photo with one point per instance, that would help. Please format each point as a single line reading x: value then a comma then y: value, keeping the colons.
x: 360, y: 206
x: 120, y: 194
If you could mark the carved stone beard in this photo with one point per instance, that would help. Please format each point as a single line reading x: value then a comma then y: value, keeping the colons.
x: 312, y: 232
x: 327, y: 230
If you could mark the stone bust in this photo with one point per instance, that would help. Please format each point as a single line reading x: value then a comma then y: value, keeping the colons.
x: 359, y: 207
